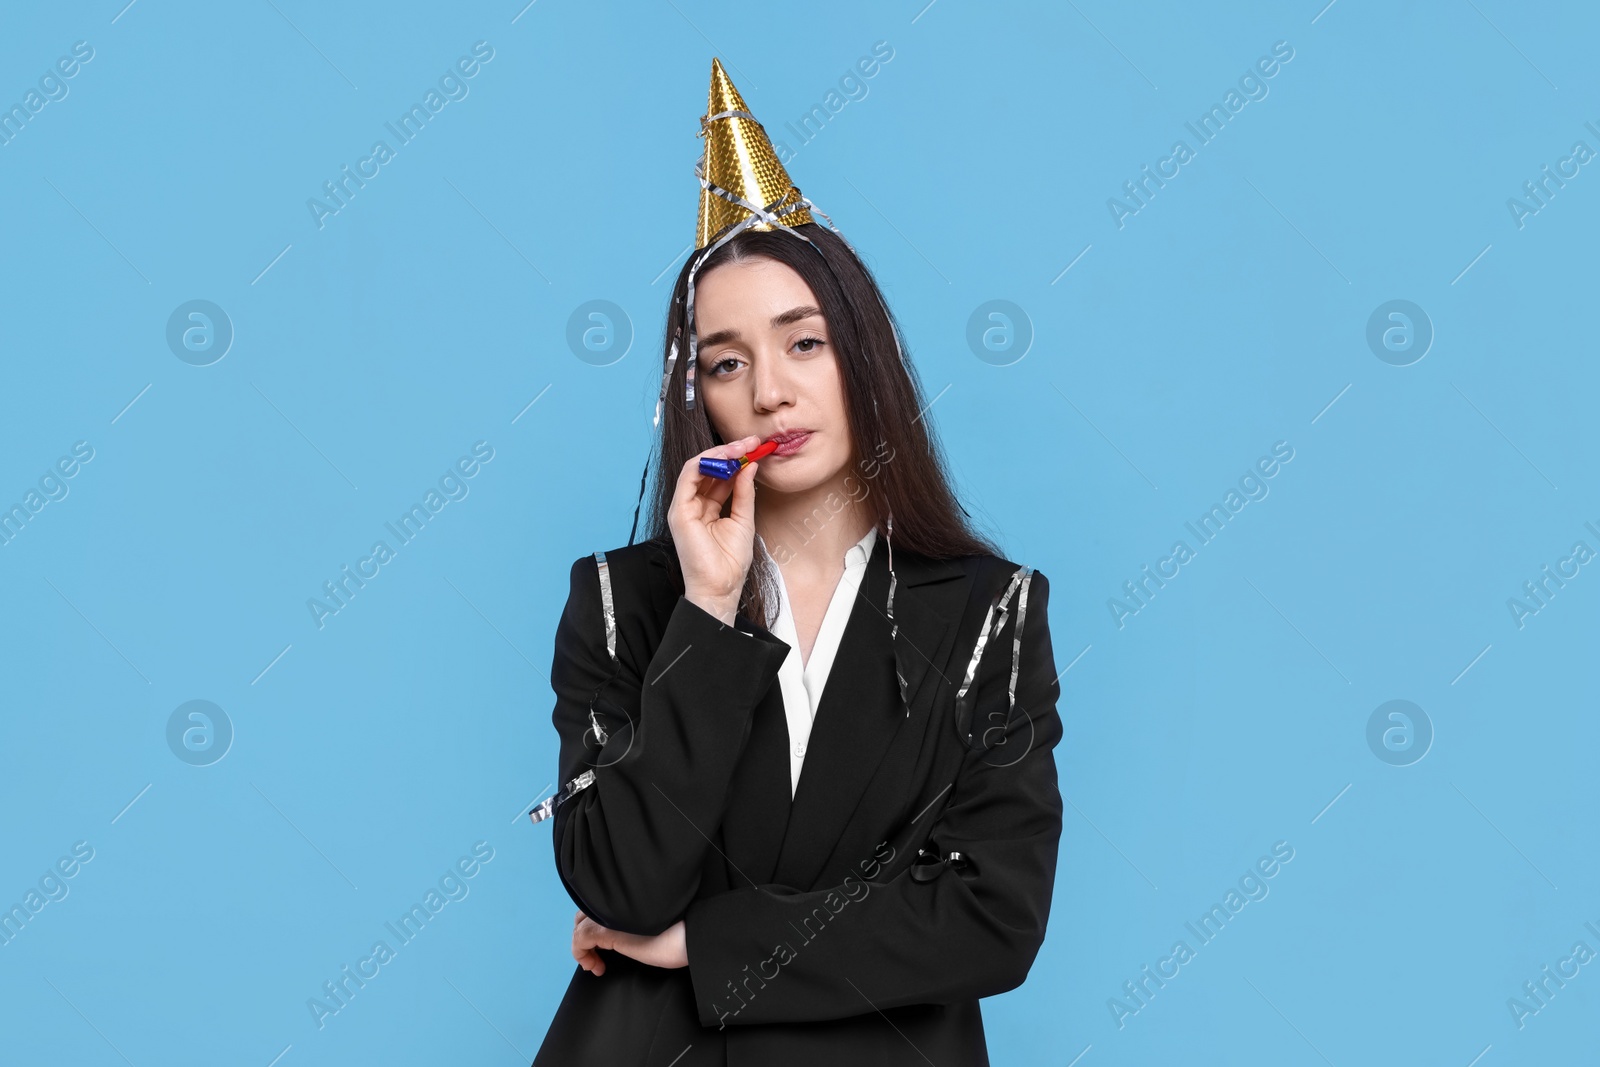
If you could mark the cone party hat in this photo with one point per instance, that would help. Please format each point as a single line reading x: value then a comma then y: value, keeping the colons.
x: 739, y: 159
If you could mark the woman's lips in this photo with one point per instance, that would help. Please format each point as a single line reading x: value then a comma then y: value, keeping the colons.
x: 792, y: 445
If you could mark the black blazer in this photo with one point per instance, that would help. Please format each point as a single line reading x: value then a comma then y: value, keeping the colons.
x: 836, y: 928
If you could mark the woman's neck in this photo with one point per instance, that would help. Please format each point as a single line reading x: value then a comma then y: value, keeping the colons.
x: 810, y: 532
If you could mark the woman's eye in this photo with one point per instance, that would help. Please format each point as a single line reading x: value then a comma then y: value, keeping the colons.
x: 716, y: 368
x: 812, y: 342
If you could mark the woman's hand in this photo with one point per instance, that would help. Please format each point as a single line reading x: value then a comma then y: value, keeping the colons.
x: 666, y: 949
x: 715, y: 552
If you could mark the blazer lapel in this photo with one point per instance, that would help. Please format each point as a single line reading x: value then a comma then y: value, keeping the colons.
x: 860, y: 711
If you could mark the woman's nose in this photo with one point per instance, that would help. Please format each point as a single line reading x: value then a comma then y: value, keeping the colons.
x: 774, y: 387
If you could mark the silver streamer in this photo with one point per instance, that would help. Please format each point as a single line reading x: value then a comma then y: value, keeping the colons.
x: 548, y: 808
x: 609, y: 609
x: 994, y: 619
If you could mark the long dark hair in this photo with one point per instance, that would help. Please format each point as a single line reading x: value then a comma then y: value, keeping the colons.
x: 894, y: 450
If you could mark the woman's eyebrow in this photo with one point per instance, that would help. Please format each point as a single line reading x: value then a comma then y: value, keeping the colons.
x: 795, y: 314
x: 783, y: 318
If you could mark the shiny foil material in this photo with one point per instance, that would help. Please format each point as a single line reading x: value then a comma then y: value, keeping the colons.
x: 548, y: 808
x: 719, y: 468
x: 605, y: 601
x: 993, y: 621
x: 609, y: 607
x: 740, y: 159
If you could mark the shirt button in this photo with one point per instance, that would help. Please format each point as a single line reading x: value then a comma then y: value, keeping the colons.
x: 799, y: 748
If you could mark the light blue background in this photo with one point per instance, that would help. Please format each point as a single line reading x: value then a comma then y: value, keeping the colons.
x: 1228, y: 314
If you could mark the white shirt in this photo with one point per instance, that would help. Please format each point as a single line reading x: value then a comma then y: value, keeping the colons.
x: 802, y: 685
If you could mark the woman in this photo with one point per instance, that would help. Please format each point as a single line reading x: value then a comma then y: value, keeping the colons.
x: 807, y: 726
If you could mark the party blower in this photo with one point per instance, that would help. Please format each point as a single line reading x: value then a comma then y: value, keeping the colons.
x: 727, y: 468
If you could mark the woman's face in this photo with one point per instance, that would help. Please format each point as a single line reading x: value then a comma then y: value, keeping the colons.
x: 768, y: 365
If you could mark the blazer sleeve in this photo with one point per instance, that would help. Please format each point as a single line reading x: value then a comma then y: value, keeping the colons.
x: 770, y: 953
x: 630, y: 846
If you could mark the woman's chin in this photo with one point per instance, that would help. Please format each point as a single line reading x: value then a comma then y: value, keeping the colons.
x: 791, y: 474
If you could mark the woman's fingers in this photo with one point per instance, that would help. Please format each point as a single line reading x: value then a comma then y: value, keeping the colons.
x: 666, y: 949
x: 735, y: 449
x: 586, y: 936
x: 714, y: 552
x: 744, y: 494
x: 694, y: 492
x: 721, y: 488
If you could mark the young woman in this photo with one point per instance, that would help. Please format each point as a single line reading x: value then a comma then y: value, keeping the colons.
x: 810, y: 810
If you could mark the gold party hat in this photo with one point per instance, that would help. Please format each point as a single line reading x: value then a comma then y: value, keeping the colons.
x: 739, y: 159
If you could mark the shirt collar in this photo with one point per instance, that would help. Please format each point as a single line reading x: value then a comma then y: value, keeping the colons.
x: 861, y: 551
